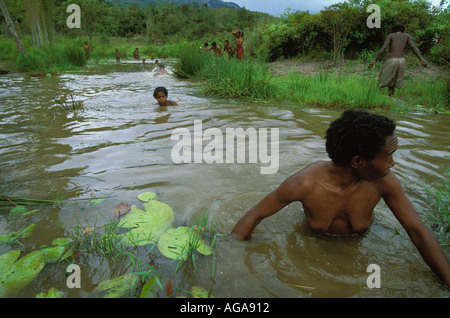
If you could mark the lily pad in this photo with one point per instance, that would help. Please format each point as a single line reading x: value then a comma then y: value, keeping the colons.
x: 146, y: 196
x: 176, y: 243
x: 19, y: 234
x: 200, y: 292
x: 147, y: 226
x: 119, y: 286
x: 51, y: 293
x: 60, y: 252
x: 150, y: 288
x: 17, y: 274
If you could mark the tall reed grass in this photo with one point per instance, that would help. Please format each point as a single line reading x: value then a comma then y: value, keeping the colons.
x: 251, y: 78
x: 332, y: 90
x: 223, y: 77
x: 438, y: 214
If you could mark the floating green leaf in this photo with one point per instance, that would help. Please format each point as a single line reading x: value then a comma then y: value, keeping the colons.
x: 118, y: 287
x: 60, y: 251
x: 17, y: 274
x: 200, y: 292
x: 150, y: 287
x: 52, y: 293
x: 16, y: 235
x: 147, y: 225
x: 146, y: 196
x: 177, y: 243
x: 95, y: 201
x: 19, y: 209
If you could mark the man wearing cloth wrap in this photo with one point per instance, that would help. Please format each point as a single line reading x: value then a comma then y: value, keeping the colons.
x: 239, y: 44
x: 393, y: 69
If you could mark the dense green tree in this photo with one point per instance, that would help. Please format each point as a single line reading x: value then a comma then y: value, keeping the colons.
x: 11, y: 28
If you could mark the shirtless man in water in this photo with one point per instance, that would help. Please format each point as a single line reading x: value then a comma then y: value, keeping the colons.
x: 393, y: 69
x: 339, y: 196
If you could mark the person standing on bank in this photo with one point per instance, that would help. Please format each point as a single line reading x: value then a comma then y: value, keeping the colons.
x: 239, y: 35
x: 393, y: 69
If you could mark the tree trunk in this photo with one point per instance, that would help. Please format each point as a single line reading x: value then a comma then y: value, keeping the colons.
x: 11, y: 28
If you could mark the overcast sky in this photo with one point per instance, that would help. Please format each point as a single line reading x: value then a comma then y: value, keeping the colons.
x: 277, y: 7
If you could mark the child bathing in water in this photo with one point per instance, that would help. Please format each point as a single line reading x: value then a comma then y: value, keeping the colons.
x: 160, y: 94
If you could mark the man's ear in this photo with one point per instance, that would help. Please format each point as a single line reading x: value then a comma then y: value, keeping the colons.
x: 357, y: 161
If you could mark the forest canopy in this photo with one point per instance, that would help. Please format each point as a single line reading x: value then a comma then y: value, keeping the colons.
x: 336, y: 31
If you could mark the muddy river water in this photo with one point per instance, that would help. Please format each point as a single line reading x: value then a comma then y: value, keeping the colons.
x: 118, y: 144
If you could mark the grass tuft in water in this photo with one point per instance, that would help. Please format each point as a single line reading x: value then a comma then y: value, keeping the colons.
x: 438, y: 213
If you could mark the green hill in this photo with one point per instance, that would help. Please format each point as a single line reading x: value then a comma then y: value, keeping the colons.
x: 211, y: 3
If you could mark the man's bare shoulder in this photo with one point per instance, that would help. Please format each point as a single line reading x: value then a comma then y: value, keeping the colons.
x: 305, y: 179
x: 389, y: 184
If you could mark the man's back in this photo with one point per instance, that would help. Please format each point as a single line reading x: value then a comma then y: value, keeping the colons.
x: 398, y: 43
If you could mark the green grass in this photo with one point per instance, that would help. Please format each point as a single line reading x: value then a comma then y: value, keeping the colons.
x: 422, y: 93
x: 349, y: 87
x: 249, y: 78
x: 438, y: 214
x: 226, y: 78
x: 332, y: 90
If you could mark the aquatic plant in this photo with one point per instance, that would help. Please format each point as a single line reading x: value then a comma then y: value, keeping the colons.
x: 75, y: 55
x: 118, y: 286
x: 72, y: 105
x: 16, y: 273
x: 438, y: 214
x: 147, y: 227
x: 6, y: 200
x: 12, y: 236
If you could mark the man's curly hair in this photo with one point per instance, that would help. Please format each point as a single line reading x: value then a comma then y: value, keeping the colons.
x: 357, y: 132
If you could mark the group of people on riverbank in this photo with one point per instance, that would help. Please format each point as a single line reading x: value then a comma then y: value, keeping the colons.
x: 228, y: 48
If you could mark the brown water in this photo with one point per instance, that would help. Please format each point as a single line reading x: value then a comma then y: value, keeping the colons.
x: 119, y: 145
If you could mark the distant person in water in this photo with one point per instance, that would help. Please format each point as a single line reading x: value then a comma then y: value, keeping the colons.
x: 86, y: 50
x: 339, y: 196
x: 161, y: 94
x: 117, y: 56
x: 161, y: 71
x: 393, y: 69
x: 239, y: 35
x: 136, y: 54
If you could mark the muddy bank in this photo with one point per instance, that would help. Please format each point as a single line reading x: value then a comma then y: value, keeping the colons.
x: 283, y: 67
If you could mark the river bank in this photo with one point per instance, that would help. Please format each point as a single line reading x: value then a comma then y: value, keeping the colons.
x: 306, y: 82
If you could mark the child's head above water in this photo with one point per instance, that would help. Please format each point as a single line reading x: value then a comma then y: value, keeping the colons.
x: 160, y: 94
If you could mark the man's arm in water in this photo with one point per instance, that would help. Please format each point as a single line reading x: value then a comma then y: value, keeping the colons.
x: 419, y: 234
x: 290, y: 190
